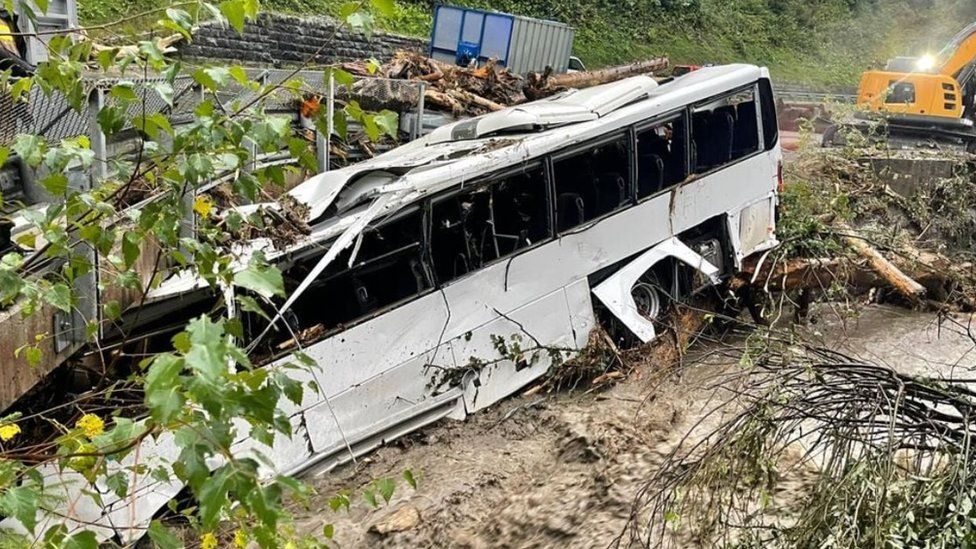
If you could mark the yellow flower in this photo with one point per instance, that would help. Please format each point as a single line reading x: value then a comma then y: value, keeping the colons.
x: 291, y: 545
x: 208, y: 541
x: 240, y: 539
x: 9, y: 431
x: 91, y: 424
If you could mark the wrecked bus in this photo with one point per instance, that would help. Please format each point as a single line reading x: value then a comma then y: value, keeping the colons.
x: 527, y: 224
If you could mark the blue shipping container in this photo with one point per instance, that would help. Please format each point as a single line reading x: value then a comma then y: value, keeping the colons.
x: 523, y: 44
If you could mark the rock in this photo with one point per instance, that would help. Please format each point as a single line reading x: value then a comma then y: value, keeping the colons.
x: 401, y: 520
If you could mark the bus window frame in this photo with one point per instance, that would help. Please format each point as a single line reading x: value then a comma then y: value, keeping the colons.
x: 625, y: 133
x: 760, y: 147
x: 487, y: 181
x: 655, y: 121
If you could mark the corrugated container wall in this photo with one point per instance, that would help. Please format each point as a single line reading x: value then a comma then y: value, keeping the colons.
x: 537, y: 44
x: 522, y: 44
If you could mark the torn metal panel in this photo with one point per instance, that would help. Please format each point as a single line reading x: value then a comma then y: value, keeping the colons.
x: 753, y: 228
x: 616, y: 292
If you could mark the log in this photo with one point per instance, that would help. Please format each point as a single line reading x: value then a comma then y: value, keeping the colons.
x: 477, y: 100
x: 902, y: 283
x: 594, y: 78
x: 442, y: 99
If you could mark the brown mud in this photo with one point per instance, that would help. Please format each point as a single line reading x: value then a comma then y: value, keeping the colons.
x: 562, y: 470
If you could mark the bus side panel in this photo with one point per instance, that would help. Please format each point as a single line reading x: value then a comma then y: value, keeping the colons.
x: 367, y: 350
x: 381, y: 402
x: 579, y: 301
x: 726, y: 192
x: 521, y: 355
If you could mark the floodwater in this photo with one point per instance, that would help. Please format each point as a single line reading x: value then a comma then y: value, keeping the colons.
x: 562, y: 471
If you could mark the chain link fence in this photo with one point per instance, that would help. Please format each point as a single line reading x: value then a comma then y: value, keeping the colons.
x: 53, y: 118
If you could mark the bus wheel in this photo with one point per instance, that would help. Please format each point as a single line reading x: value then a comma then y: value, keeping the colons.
x: 649, y: 297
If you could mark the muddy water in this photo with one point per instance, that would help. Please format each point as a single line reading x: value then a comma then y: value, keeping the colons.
x: 562, y: 471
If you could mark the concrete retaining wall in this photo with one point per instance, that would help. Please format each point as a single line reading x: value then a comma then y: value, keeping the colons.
x: 284, y: 40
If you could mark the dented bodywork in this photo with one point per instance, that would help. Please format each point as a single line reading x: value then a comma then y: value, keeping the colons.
x: 419, y: 262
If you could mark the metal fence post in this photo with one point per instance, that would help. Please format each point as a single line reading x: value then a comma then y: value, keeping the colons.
x: 99, y: 144
x: 323, y: 143
x: 72, y: 328
x: 418, y: 122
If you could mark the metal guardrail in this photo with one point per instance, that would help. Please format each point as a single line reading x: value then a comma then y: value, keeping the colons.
x: 793, y: 93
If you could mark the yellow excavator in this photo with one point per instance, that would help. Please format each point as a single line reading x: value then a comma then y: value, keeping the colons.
x: 924, y: 101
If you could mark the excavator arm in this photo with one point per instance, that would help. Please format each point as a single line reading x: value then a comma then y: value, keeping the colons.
x: 959, y: 53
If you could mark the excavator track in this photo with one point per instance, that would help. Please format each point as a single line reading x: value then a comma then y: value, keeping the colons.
x: 906, y: 132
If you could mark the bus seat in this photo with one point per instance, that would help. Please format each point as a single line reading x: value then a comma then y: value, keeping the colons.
x: 571, y: 211
x: 746, y: 138
x: 650, y: 174
x: 611, y: 192
x: 722, y: 127
x: 364, y: 299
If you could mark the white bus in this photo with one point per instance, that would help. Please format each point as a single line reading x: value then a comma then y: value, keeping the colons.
x: 513, y: 226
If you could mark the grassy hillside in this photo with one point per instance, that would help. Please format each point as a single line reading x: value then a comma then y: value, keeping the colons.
x: 827, y: 42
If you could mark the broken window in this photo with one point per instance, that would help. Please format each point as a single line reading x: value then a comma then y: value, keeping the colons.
x: 592, y: 183
x: 724, y: 130
x: 386, y: 269
x: 473, y: 227
x: 661, y: 161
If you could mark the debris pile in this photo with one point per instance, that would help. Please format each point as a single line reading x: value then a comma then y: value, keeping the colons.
x: 472, y: 91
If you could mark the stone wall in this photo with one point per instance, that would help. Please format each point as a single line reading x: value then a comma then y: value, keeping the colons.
x: 284, y: 40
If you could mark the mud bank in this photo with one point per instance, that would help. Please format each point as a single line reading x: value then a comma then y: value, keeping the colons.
x: 562, y: 471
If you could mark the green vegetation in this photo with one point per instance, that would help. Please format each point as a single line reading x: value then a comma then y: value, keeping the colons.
x: 827, y: 42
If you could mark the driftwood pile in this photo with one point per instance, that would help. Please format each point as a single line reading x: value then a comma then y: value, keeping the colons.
x: 471, y: 91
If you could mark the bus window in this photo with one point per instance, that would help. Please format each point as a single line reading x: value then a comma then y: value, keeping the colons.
x: 770, y: 123
x: 661, y: 157
x: 477, y: 226
x: 724, y: 130
x: 386, y: 270
x: 592, y: 183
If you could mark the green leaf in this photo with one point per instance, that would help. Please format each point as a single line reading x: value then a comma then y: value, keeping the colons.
x: 328, y: 531
x: 386, y: 487
x: 81, y: 540
x: 112, y: 310
x: 33, y: 356
x: 411, y: 480
x: 162, y: 387
x: 162, y: 538
x: 386, y: 8
x: 369, y: 497
x: 56, y: 184
x: 361, y: 21
x: 263, y: 280
x: 213, y: 496
x: 30, y: 148
x: 41, y: 6
x: 206, y: 356
x: 164, y: 90
x: 233, y: 10
x: 21, y: 88
x: 388, y: 122
x: 59, y: 295
x: 131, y: 247
x: 111, y: 119
x: 21, y: 503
